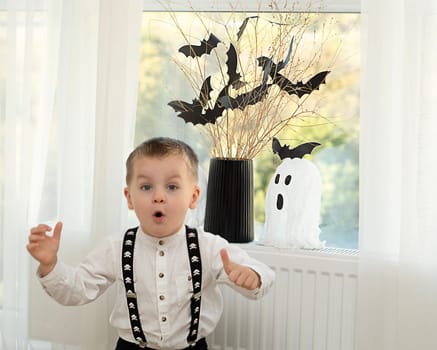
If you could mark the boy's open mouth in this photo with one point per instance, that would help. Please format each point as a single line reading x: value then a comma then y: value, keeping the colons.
x: 158, y: 214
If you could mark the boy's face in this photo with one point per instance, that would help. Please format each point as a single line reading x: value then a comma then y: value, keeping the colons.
x: 160, y: 192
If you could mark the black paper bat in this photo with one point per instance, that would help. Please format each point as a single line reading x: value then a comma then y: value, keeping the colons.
x: 193, y: 112
x: 299, y: 88
x: 243, y: 26
x: 249, y: 98
x: 231, y: 64
x: 273, y: 69
x: 205, y: 91
x: 247, y: 19
x: 297, y: 152
x: 205, y: 47
x: 245, y: 99
x: 197, y: 111
x: 283, y: 63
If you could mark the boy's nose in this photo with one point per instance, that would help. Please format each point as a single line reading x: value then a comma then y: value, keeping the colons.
x: 158, y: 197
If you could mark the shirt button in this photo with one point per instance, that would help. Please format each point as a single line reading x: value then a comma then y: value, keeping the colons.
x: 161, y: 297
x: 161, y: 242
x: 161, y: 275
x: 161, y: 253
x: 163, y: 318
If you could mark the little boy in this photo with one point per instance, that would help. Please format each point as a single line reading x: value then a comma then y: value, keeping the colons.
x: 166, y: 274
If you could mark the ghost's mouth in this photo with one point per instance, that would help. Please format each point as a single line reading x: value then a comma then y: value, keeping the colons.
x: 279, y: 201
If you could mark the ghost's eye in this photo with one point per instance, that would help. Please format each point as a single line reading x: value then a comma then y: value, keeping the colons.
x: 288, y: 179
x: 277, y: 178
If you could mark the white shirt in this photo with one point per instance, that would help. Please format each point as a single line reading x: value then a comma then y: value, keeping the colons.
x: 162, y: 284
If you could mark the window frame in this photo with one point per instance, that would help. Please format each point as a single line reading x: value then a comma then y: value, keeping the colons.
x: 341, y: 6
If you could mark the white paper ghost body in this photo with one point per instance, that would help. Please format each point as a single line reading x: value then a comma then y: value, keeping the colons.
x: 293, y: 206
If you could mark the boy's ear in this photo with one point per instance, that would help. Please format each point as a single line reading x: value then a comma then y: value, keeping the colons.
x: 195, y: 197
x: 128, y: 198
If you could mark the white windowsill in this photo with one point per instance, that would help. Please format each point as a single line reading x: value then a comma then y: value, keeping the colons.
x: 328, y: 252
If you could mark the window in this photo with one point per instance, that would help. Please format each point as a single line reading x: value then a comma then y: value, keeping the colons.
x: 161, y: 80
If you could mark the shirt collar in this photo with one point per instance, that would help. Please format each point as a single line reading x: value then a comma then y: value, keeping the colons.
x: 148, y: 239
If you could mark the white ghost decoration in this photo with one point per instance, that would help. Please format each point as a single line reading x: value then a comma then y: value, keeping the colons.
x: 293, y: 206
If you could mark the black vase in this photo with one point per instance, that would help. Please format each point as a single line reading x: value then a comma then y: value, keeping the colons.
x: 229, y: 199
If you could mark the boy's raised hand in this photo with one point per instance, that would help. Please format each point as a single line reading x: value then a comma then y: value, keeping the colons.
x: 242, y: 276
x: 43, y: 247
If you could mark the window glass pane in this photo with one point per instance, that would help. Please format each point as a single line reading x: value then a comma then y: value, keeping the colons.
x: 328, y: 41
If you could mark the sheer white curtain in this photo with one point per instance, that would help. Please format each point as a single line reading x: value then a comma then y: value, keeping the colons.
x: 397, y: 299
x: 67, y: 110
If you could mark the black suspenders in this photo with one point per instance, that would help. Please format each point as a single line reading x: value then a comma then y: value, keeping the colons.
x: 127, y: 259
x: 128, y: 279
x: 196, y: 279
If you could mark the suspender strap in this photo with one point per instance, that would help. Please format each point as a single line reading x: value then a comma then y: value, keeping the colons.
x: 128, y: 279
x: 196, y: 279
x: 131, y: 297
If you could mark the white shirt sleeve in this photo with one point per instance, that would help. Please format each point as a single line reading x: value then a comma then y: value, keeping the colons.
x: 84, y: 283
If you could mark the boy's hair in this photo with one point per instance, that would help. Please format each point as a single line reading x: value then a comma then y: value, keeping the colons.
x: 162, y: 147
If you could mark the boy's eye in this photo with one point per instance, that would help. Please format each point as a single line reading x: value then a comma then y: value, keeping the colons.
x: 172, y: 187
x: 146, y: 187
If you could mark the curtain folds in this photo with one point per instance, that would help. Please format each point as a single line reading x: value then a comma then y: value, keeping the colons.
x: 397, y: 307
x: 68, y: 92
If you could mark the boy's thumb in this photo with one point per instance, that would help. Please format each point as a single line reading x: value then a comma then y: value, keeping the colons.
x: 225, y: 258
x: 57, y: 230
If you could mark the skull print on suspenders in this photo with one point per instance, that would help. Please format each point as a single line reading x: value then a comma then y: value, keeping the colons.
x: 131, y: 297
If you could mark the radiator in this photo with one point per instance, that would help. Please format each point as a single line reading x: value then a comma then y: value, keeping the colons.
x: 311, y: 306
